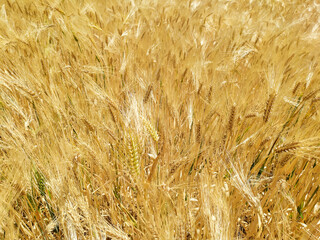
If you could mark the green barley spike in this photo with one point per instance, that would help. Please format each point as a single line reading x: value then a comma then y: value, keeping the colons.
x: 40, y: 182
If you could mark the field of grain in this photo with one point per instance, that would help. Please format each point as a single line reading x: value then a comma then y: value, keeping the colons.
x: 159, y: 119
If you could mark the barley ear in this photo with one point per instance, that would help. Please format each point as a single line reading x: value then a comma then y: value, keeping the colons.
x: 288, y: 147
x: 151, y: 130
x: 147, y: 95
x: 134, y: 156
x: 231, y: 118
x: 198, y: 132
x: 268, y: 108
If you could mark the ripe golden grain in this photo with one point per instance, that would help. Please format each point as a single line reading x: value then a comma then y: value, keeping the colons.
x: 140, y: 119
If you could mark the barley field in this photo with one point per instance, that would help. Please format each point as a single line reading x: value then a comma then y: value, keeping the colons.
x: 159, y: 119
